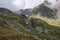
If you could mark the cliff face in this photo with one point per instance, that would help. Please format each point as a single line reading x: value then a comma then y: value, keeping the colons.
x: 45, y: 10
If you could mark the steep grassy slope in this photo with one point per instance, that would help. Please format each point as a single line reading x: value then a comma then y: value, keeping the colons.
x: 11, y: 20
x: 40, y: 28
x: 11, y: 26
x: 50, y: 21
x: 44, y: 29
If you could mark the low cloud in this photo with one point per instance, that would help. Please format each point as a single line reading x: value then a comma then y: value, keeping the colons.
x: 21, y: 4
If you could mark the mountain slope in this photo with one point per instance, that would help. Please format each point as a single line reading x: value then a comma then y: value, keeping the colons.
x: 44, y: 30
x: 45, y: 10
x: 11, y: 26
x: 6, y: 34
x: 40, y: 29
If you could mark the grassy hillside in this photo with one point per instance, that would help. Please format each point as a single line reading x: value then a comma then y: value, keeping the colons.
x: 13, y: 26
x: 45, y: 28
x: 50, y: 21
x: 6, y: 34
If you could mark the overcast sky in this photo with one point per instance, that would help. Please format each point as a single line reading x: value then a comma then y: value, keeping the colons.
x: 21, y: 4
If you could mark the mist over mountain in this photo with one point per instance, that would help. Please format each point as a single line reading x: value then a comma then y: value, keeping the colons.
x: 25, y: 11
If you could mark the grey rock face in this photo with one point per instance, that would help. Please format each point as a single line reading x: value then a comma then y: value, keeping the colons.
x: 45, y: 10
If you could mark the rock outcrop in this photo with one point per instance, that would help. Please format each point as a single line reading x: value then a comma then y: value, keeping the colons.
x: 45, y: 10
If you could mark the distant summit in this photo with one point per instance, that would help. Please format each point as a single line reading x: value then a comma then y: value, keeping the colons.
x: 5, y: 10
x: 25, y: 12
x: 45, y: 10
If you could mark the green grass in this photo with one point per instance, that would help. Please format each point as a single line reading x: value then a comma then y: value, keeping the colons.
x: 39, y: 22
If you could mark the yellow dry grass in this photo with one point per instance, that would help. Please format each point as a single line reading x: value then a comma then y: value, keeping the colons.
x: 48, y: 20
